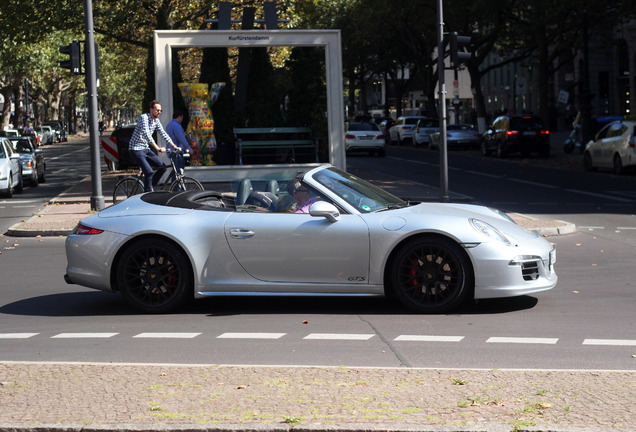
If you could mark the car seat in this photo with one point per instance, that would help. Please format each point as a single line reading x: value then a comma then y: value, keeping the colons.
x: 243, y: 192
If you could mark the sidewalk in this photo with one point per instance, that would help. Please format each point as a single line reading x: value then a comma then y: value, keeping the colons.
x: 62, y: 213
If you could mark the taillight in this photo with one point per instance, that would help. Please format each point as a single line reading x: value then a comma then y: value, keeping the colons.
x: 380, y: 137
x: 632, y: 140
x: 85, y: 230
x: 512, y: 133
x: 545, y: 132
x: 349, y: 136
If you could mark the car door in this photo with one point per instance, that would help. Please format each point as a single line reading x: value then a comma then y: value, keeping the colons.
x: 14, y: 162
x: 611, y: 143
x: 300, y: 248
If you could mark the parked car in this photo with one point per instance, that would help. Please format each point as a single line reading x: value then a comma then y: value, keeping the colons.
x: 10, y: 169
x: 161, y: 249
x: 33, y: 165
x: 9, y: 133
x: 402, y: 131
x: 613, y: 147
x: 423, y: 130
x: 457, y: 136
x: 364, y: 137
x: 58, y: 128
x: 122, y: 137
x: 46, y: 135
x: 523, y: 134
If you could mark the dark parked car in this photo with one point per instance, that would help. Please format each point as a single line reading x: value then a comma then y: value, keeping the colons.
x: 523, y: 134
x: 122, y: 137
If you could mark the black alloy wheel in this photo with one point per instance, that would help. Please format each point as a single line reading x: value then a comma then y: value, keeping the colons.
x: 155, y: 276
x: 431, y: 275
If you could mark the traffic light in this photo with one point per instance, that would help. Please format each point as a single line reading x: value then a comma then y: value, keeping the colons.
x: 457, y: 53
x: 74, y: 63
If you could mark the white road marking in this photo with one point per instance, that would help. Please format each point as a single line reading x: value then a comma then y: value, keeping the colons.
x: 83, y: 335
x: 167, y: 335
x: 531, y: 183
x: 338, y: 336
x: 522, y: 340
x: 251, y: 335
x: 613, y: 342
x: 17, y: 335
x: 424, y: 338
x: 598, y: 195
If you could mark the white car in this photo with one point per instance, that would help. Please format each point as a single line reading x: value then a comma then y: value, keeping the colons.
x: 402, y: 131
x: 10, y: 169
x: 162, y: 249
x: 613, y: 147
x: 423, y: 131
x: 364, y: 137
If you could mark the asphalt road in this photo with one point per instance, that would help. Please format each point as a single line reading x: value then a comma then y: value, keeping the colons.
x: 586, y: 322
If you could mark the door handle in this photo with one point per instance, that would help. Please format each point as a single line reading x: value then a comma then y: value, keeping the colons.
x: 241, y: 233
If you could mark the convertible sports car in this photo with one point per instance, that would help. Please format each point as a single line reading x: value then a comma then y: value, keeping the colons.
x: 161, y: 249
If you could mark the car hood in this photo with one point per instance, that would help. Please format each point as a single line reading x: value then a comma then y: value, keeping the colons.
x: 457, y: 215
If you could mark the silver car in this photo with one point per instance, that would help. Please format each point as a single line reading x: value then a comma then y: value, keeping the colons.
x: 161, y: 249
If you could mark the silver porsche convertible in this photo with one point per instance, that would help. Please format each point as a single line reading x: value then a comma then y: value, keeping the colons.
x: 321, y: 231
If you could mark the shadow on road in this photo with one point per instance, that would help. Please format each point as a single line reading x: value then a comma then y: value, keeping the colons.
x: 82, y: 304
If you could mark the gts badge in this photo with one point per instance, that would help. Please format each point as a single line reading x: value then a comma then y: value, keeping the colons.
x: 357, y: 279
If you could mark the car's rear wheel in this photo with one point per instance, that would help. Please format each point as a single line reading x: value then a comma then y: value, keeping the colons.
x: 618, y: 165
x: 155, y: 276
x: 431, y: 275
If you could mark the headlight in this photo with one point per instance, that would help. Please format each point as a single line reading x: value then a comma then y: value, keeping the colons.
x: 489, y: 231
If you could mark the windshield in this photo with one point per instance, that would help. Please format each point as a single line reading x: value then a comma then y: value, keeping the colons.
x: 361, y: 194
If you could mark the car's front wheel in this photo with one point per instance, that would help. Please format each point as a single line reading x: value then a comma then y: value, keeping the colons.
x: 431, y: 275
x: 587, y: 163
x: 154, y: 275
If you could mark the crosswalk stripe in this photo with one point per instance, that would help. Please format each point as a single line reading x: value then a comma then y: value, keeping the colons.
x: 83, y: 335
x: 424, y: 338
x: 338, y: 336
x: 17, y: 335
x: 522, y: 340
x: 619, y: 342
x: 251, y: 336
x: 167, y: 335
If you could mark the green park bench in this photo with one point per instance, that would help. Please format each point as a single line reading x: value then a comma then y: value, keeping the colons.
x: 278, y: 144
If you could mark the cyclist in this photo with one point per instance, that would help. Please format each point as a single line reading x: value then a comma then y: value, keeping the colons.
x: 141, y: 140
x: 175, y: 131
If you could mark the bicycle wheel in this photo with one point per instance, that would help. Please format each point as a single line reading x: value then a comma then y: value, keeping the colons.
x: 126, y: 188
x: 184, y: 184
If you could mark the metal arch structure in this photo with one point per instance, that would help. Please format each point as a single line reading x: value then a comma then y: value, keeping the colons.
x: 165, y: 40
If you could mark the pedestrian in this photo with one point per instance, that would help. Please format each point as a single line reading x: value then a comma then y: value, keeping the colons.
x: 175, y: 131
x: 141, y: 141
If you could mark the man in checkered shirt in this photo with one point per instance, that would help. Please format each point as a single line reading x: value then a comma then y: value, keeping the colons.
x: 141, y: 141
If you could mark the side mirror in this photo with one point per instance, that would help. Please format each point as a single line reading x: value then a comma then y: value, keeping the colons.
x: 326, y: 210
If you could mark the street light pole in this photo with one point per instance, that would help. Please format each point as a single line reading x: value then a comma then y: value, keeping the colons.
x: 443, y: 155
x: 97, y: 199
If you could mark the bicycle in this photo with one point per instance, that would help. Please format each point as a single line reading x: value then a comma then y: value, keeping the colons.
x: 134, y: 185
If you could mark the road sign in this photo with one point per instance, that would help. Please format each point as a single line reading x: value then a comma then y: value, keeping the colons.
x: 109, y: 144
